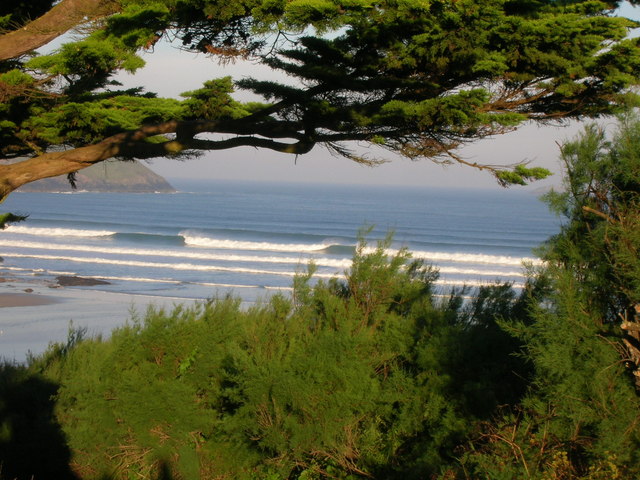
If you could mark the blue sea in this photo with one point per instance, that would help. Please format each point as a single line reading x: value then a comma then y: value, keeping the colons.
x: 250, y: 239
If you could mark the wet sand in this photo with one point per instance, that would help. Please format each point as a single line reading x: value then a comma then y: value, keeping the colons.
x: 34, y: 314
x: 25, y: 300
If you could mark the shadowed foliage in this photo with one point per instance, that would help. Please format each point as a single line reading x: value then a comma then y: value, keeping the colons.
x: 32, y: 443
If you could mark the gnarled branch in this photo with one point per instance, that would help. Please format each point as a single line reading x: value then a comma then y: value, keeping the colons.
x: 133, y: 144
x: 60, y: 19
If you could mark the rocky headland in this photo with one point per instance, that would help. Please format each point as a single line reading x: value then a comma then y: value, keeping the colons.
x: 108, y: 176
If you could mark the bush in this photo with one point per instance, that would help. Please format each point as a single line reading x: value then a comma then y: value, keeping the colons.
x: 373, y: 375
x: 366, y: 376
x: 580, y: 418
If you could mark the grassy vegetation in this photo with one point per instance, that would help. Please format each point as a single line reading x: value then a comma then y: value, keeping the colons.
x: 372, y: 376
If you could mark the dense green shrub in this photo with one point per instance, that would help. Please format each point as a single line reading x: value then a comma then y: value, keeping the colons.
x: 364, y: 376
x: 32, y: 443
x: 373, y: 375
x: 581, y: 415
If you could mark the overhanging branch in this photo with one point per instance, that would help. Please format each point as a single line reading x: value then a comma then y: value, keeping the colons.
x: 133, y: 144
x: 60, y: 19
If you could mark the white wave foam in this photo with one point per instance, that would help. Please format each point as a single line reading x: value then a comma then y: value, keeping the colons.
x: 321, y: 262
x: 458, y: 283
x: 193, y: 240
x: 456, y: 257
x: 169, y: 266
x: 134, y: 279
x: 37, y: 271
x: 57, y: 232
x: 226, y: 285
x: 475, y: 271
x: 473, y: 283
x: 434, y: 257
x: 237, y: 269
x: 212, y: 268
x: 205, y: 256
x: 475, y: 258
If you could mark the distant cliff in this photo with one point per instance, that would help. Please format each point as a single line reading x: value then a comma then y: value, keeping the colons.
x: 108, y: 176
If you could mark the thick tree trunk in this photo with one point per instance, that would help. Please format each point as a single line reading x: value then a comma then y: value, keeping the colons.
x: 63, y: 17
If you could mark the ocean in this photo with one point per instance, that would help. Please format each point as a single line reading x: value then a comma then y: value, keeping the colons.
x: 250, y: 239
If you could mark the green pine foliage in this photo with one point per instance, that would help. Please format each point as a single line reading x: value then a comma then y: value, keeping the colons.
x: 419, y: 78
x: 579, y: 417
x: 9, y: 218
x: 82, y: 122
x: 214, y: 101
x: 601, y: 202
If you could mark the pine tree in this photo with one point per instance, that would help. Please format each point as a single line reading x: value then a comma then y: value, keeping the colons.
x: 418, y: 78
x: 580, y: 417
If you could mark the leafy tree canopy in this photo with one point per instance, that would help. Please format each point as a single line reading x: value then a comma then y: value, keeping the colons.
x: 417, y: 77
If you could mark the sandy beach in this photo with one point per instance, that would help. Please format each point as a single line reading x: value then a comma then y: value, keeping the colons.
x: 36, y: 313
x: 25, y: 300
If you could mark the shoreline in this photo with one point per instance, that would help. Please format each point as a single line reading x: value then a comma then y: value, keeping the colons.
x: 17, y: 299
x: 35, y: 313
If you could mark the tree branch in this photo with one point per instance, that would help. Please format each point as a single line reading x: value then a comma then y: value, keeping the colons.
x: 598, y: 213
x: 133, y: 144
x: 60, y: 19
x: 296, y: 148
x: 52, y: 164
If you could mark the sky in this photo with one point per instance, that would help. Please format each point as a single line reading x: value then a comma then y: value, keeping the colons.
x: 170, y: 72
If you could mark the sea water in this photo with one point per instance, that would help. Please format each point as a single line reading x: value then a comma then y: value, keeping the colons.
x: 249, y: 239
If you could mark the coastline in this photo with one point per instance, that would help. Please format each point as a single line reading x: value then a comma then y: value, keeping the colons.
x: 35, y: 313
